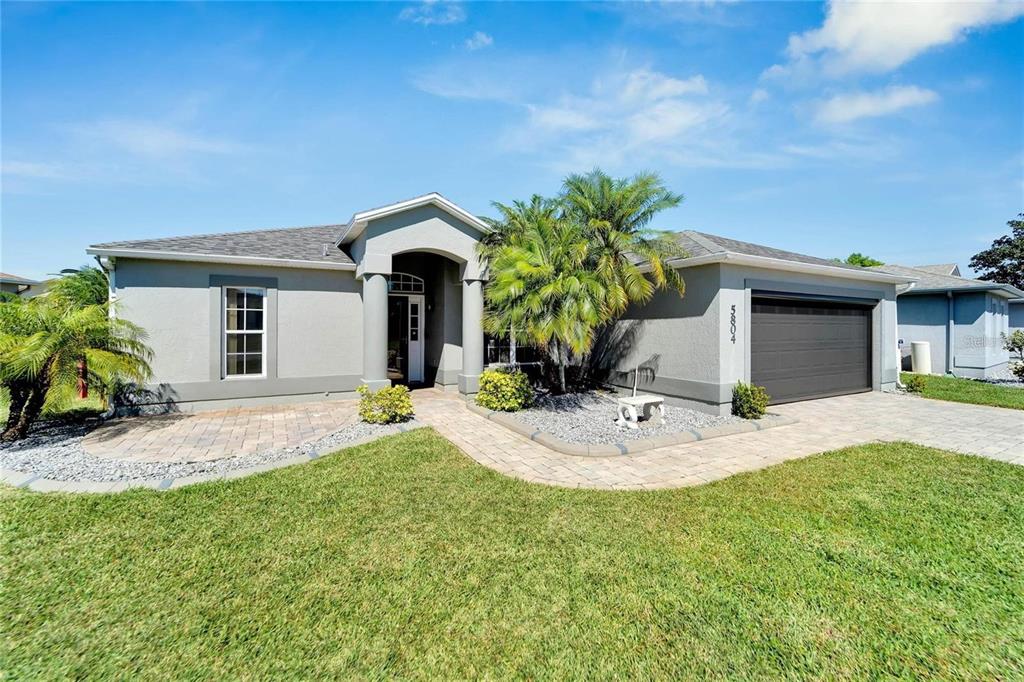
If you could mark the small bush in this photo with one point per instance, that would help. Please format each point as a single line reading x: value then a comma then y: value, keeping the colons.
x: 914, y: 383
x: 1015, y: 344
x: 749, y: 401
x: 504, y: 390
x: 385, y: 406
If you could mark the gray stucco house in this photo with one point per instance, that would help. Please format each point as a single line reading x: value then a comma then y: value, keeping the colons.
x: 962, y: 319
x: 19, y: 286
x: 395, y: 295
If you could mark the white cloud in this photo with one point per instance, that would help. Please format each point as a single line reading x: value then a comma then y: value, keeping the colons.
x: 151, y: 140
x: 847, y: 107
x: 759, y: 95
x: 478, y: 41
x: 434, y: 12
x: 881, y: 36
x: 646, y: 85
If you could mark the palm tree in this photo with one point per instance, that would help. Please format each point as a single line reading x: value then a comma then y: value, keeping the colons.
x: 541, y: 283
x: 616, y: 214
x: 43, y: 344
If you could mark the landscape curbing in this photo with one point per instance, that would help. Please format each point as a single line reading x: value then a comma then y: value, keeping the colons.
x: 633, y: 447
x: 29, y: 481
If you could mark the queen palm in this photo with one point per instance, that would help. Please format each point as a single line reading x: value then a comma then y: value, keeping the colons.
x: 44, y: 344
x: 541, y: 283
x: 616, y: 214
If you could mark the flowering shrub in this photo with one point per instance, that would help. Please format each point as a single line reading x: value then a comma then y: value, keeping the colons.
x: 504, y: 390
x: 385, y: 406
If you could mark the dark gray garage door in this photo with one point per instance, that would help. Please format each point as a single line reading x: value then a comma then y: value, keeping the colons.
x: 809, y: 349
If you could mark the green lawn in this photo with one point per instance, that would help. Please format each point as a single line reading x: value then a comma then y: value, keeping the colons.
x: 969, y: 391
x: 403, y: 558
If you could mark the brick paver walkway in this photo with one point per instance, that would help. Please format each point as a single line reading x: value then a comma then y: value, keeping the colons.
x: 824, y: 425
x: 212, y: 435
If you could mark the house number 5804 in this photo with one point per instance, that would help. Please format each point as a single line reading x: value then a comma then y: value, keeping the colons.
x: 732, y: 323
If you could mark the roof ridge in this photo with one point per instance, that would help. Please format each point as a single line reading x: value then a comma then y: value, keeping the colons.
x: 704, y: 240
x: 224, y: 234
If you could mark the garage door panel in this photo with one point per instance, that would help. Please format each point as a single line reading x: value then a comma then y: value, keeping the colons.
x: 804, y: 349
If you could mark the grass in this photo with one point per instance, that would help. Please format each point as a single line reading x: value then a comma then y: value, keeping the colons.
x: 403, y: 558
x: 970, y: 391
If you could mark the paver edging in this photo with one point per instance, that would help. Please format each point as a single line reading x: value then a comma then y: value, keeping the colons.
x: 29, y: 481
x: 631, y: 447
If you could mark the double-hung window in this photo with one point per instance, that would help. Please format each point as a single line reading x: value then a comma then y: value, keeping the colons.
x: 244, y: 331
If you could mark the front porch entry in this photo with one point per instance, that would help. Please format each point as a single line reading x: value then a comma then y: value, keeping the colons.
x: 422, y: 293
x: 406, y: 339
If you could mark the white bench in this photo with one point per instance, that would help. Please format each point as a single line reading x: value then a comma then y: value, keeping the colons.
x: 631, y: 408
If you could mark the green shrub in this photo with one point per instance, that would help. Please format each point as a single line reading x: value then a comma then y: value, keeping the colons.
x: 1015, y: 344
x: 504, y: 390
x: 914, y: 383
x: 749, y: 401
x: 385, y: 406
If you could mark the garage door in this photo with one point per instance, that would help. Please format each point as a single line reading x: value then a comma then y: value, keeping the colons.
x: 809, y: 349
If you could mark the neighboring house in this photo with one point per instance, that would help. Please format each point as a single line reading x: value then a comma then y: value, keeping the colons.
x: 19, y: 286
x: 395, y: 295
x: 962, y: 319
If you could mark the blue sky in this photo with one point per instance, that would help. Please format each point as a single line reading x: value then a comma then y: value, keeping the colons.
x: 893, y: 130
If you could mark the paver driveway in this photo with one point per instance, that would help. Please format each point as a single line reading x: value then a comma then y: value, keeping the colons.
x: 823, y: 425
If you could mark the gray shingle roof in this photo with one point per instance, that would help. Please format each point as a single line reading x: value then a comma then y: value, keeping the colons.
x: 927, y: 280
x: 704, y: 244
x: 7, y: 278
x: 941, y: 269
x: 290, y: 243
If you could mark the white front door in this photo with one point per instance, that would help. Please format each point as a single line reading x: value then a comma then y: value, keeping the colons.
x: 415, y: 338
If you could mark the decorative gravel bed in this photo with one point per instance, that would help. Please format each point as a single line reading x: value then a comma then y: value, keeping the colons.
x: 1005, y: 378
x: 54, y: 450
x: 589, y: 418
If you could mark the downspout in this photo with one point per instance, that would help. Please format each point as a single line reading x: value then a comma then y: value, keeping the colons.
x: 896, y: 337
x: 950, y: 332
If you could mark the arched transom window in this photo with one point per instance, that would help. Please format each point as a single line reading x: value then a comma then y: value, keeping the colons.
x: 404, y: 283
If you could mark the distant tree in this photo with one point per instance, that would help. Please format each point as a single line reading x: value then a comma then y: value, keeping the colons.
x: 1004, y: 261
x: 78, y: 287
x: 860, y: 260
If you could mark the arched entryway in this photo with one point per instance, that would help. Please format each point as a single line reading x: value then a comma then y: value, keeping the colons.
x: 432, y: 240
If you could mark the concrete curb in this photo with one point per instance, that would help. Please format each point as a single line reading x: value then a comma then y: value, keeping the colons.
x: 29, y: 481
x: 631, y: 447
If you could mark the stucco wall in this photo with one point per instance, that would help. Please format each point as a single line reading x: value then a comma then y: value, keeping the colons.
x: 924, y: 318
x: 314, y: 337
x: 977, y: 339
x: 673, y: 339
x: 425, y: 229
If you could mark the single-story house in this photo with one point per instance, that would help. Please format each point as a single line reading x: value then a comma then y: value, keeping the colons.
x: 962, y: 319
x: 19, y: 286
x: 396, y: 295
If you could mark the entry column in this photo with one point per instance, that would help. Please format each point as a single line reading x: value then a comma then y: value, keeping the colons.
x: 472, y: 335
x: 375, y: 331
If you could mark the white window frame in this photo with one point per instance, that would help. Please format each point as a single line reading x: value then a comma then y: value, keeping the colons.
x: 224, y: 334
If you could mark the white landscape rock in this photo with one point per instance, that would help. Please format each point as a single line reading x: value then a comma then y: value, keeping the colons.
x: 54, y: 451
x: 589, y: 418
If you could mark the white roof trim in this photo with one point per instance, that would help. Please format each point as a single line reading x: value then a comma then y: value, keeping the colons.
x: 146, y: 254
x: 358, y: 222
x: 787, y: 266
x: 1005, y: 290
